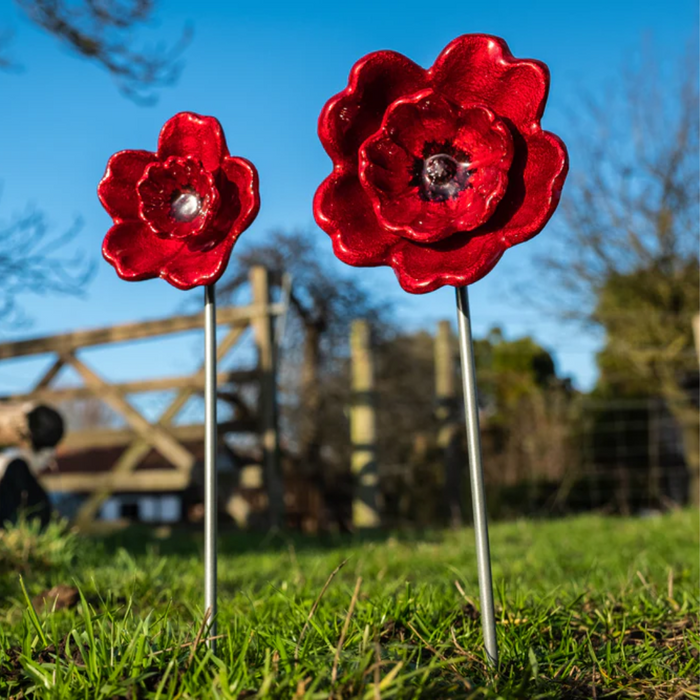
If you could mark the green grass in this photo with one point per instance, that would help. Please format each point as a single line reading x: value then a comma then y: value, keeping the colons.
x: 588, y: 607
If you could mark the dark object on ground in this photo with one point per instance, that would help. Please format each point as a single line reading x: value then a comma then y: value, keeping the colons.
x: 57, y: 598
x: 24, y: 424
x: 45, y: 427
x: 20, y: 492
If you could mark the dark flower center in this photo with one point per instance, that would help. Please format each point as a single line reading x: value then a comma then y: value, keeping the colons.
x: 439, y: 170
x: 442, y: 173
x: 185, y: 205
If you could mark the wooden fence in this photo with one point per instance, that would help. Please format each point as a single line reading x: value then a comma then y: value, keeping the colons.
x: 141, y: 436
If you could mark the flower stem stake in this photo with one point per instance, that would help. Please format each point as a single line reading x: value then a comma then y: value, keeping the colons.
x: 177, y: 214
x: 210, y: 449
x: 436, y: 173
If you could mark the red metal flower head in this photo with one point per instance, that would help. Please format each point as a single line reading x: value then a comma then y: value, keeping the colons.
x: 178, y: 212
x: 437, y: 172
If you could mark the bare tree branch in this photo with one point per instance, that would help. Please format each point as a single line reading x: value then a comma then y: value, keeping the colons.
x: 32, y: 261
x: 324, y: 303
x: 100, y: 30
x: 6, y: 62
x: 631, y: 202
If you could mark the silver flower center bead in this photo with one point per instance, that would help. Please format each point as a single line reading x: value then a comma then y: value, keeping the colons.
x: 444, y: 177
x: 186, y: 206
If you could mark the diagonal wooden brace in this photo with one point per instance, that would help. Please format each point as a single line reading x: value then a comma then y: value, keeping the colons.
x: 155, y: 435
x: 50, y: 374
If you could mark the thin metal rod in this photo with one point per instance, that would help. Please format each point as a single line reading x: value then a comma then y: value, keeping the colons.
x: 210, y: 449
x: 481, y: 528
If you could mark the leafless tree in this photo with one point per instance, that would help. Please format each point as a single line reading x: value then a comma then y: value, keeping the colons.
x: 625, y: 258
x: 88, y: 414
x: 323, y: 301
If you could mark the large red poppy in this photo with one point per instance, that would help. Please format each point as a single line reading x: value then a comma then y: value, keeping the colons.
x: 437, y: 172
x: 177, y: 212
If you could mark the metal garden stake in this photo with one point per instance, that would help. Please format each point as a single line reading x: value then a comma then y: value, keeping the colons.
x: 210, y: 450
x: 476, y: 473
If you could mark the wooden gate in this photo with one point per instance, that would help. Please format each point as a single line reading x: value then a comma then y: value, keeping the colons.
x: 141, y: 435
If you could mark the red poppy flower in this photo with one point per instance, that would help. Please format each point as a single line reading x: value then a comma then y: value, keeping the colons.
x: 437, y: 172
x: 178, y: 212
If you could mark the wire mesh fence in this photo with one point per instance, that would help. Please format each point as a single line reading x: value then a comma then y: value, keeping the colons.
x: 554, y: 456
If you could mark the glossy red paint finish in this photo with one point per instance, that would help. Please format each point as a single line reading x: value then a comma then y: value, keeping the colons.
x: 178, y: 212
x: 437, y: 172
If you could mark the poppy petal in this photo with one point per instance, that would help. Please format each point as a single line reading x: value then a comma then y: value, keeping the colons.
x: 459, y: 260
x: 193, y: 268
x: 136, y: 252
x: 350, y: 117
x: 189, y: 134
x: 243, y: 174
x: 117, y: 188
x: 535, y: 185
x: 343, y: 210
x: 480, y: 69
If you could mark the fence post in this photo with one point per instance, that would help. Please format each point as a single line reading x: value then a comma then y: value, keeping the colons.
x: 449, y: 432
x: 365, y: 504
x: 263, y: 326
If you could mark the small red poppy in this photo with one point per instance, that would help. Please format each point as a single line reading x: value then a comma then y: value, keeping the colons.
x: 178, y: 212
x: 437, y: 172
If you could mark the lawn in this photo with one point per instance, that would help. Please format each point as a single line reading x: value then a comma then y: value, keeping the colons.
x: 588, y: 607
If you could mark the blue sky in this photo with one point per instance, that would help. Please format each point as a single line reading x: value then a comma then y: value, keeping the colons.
x: 265, y: 70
